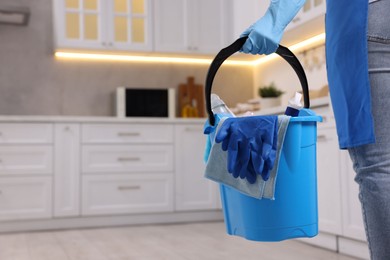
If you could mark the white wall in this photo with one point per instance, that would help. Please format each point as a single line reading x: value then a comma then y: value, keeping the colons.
x: 284, y: 77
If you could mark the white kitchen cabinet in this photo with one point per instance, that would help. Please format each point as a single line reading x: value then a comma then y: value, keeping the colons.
x: 25, y: 198
x: 193, y: 191
x: 127, y: 158
x: 26, y: 160
x: 104, y: 25
x: 129, y: 25
x: 190, y: 26
x: 353, y: 226
x: 22, y: 133
x: 125, y: 133
x: 329, y: 183
x: 67, y: 170
x: 120, y: 194
x: 244, y: 14
x: 72, y: 173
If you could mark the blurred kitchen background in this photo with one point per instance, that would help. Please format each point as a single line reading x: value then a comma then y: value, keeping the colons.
x: 74, y: 154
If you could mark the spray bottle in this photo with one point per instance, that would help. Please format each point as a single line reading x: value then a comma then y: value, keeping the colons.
x: 220, y: 110
x: 219, y: 107
x: 294, y: 105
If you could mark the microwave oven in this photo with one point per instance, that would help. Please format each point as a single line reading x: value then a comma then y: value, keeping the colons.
x: 137, y: 102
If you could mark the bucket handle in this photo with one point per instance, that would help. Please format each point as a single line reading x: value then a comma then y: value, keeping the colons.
x: 225, y: 53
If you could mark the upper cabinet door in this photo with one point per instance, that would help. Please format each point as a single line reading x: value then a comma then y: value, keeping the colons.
x: 171, y: 25
x: 245, y: 14
x: 208, y: 30
x: 129, y: 25
x: 100, y: 24
x: 190, y: 26
x: 79, y: 23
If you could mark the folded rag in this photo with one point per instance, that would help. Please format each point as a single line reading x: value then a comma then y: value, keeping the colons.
x: 216, y: 168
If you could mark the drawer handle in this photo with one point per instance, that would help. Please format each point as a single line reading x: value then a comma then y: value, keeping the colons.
x: 129, y: 159
x: 191, y: 129
x: 129, y: 134
x: 135, y: 187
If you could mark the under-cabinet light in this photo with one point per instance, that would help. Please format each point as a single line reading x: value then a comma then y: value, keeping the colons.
x: 154, y: 59
x: 309, y: 43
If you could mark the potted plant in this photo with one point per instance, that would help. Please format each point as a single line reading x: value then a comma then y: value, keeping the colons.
x: 270, y: 96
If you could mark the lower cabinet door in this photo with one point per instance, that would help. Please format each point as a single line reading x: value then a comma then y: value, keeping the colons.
x: 353, y: 225
x: 328, y: 182
x: 25, y: 198
x: 119, y: 194
x: 193, y: 191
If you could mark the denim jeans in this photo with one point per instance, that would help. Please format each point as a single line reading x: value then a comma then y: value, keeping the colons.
x: 372, y: 162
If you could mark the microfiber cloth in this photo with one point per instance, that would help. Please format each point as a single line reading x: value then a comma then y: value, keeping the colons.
x: 216, y: 168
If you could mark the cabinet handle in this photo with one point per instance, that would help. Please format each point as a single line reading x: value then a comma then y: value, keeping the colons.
x: 129, y: 159
x: 1, y: 160
x: 129, y: 134
x: 1, y: 133
x: 195, y: 48
x: 322, y: 138
x: 110, y: 44
x: 1, y: 192
x: 135, y: 187
x: 191, y: 129
x: 104, y: 43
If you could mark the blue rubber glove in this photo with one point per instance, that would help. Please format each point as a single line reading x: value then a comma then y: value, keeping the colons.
x: 251, y: 143
x: 265, y: 34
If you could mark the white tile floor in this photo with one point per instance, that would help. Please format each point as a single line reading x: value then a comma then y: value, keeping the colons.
x: 199, y: 241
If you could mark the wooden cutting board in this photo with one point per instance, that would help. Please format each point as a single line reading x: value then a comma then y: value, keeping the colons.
x: 191, y: 98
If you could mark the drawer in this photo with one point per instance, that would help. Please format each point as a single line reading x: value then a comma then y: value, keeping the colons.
x: 25, y: 198
x: 127, y: 158
x: 26, y: 159
x: 119, y: 194
x: 19, y: 133
x: 127, y: 133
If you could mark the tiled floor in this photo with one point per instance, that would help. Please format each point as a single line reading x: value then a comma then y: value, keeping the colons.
x: 199, y: 241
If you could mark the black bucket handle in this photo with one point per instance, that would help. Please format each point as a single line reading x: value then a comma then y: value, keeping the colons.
x: 225, y: 53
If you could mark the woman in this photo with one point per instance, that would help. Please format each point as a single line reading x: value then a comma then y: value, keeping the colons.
x: 358, y: 64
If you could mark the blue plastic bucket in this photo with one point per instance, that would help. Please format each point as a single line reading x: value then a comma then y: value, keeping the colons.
x: 294, y: 212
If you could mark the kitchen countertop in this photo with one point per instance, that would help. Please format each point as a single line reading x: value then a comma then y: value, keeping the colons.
x: 315, y: 103
x: 102, y: 119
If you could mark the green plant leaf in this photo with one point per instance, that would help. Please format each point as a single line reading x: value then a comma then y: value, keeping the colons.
x: 270, y: 91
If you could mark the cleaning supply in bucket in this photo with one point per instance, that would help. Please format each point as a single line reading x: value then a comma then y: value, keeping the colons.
x: 219, y: 107
x: 294, y: 105
x: 221, y: 110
